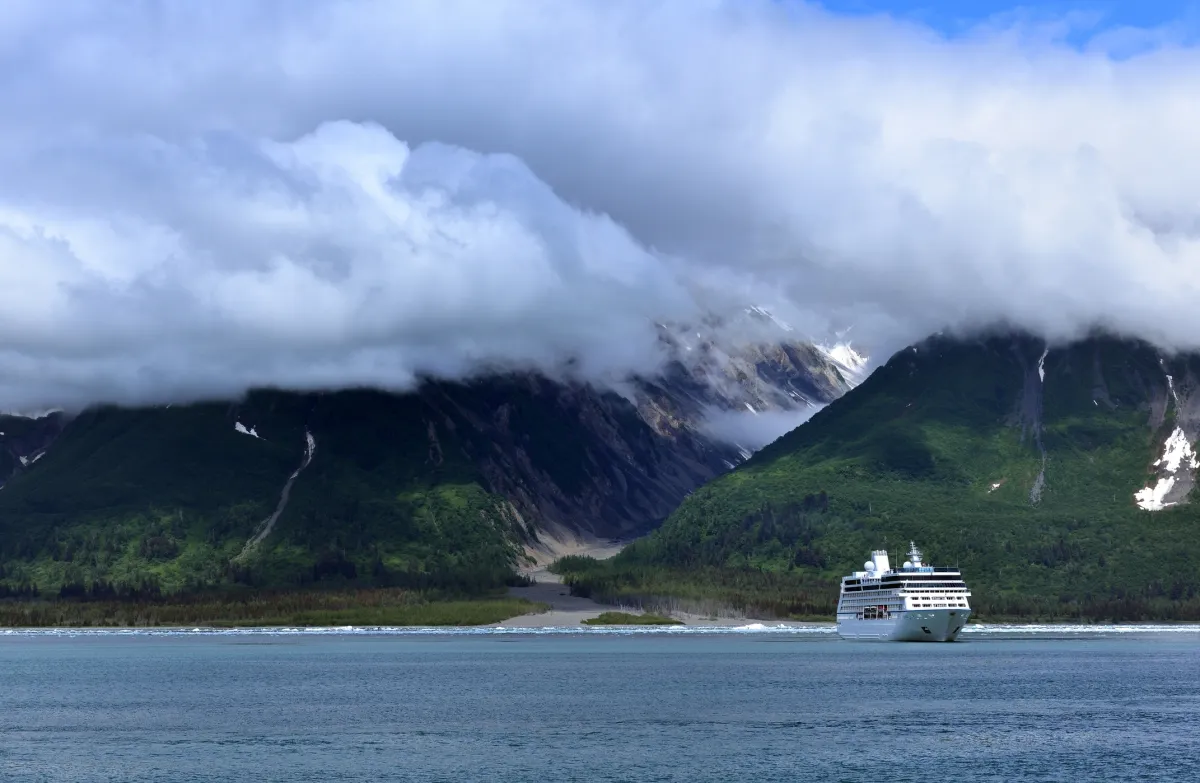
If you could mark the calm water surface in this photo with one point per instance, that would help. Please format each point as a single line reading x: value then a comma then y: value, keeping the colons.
x: 592, y: 707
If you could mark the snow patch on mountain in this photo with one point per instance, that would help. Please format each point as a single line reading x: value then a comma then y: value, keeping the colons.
x: 37, y: 414
x: 1178, y: 455
x: 765, y: 313
x: 851, y: 363
x: 1170, y: 382
x: 744, y: 380
x: 268, y: 524
x: 26, y: 461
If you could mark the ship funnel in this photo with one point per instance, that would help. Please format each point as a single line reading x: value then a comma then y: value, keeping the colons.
x: 880, y: 558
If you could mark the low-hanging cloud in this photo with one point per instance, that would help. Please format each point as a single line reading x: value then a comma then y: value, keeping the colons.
x: 149, y: 271
x: 199, y: 197
x: 752, y: 431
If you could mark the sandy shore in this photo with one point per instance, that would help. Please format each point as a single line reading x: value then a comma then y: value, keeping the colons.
x: 568, y: 611
x: 565, y: 609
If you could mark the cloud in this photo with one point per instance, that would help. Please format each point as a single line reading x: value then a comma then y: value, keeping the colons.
x: 196, y: 197
x: 752, y: 431
x: 149, y: 271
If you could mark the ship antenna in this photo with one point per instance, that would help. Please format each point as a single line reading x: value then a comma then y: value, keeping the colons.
x: 914, y: 553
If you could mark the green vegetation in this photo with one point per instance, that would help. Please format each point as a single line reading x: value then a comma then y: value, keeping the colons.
x: 135, y: 511
x: 624, y: 618
x: 243, y: 608
x: 789, y: 594
x: 136, y: 504
x: 939, y: 446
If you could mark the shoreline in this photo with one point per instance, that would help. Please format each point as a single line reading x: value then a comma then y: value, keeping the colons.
x: 720, y: 627
x: 569, y: 611
x: 546, y: 605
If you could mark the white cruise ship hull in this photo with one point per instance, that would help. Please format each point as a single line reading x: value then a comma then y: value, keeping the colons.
x: 918, y: 625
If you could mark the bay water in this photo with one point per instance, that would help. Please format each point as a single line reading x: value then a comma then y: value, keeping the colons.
x: 756, y: 704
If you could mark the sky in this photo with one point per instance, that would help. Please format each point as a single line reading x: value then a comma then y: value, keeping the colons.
x: 199, y: 198
x: 953, y: 17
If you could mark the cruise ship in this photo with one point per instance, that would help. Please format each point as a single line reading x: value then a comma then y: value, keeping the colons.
x: 912, y: 603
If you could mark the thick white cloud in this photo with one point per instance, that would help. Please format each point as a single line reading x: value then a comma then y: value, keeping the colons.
x: 149, y: 271
x: 199, y: 196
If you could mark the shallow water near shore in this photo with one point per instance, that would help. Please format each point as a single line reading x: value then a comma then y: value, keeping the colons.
x: 606, y: 704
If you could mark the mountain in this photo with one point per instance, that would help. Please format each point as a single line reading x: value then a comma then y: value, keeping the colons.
x: 1058, y: 478
x: 24, y: 440
x: 449, y: 486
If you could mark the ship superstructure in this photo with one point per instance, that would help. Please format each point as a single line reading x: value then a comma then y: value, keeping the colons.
x: 912, y: 603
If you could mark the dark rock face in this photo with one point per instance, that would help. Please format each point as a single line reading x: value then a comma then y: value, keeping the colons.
x: 23, y: 440
x: 574, y: 462
x: 581, y: 463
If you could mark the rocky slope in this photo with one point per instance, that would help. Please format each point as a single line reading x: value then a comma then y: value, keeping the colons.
x: 447, y: 486
x: 24, y: 440
x: 1059, y: 478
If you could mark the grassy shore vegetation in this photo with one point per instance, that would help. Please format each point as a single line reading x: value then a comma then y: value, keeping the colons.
x: 709, y: 591
x: 625, y: 618
x: 253, y: 608
x: 941, y: 446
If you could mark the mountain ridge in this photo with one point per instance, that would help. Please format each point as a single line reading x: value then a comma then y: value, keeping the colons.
x: 1023, y: 462
x: 451, y: 485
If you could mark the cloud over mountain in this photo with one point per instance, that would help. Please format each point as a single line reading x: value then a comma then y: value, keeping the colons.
x: 148, y: 270
x: 198, y: 197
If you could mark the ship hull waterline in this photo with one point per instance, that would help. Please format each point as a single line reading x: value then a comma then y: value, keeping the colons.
x: 918, y: 625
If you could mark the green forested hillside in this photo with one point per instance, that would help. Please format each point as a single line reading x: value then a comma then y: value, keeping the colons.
x: 165, y: 500
x: 946, y: 445
x: 447, y: 486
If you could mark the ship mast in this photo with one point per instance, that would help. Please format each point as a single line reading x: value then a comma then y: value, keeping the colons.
x: 914, y: 555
